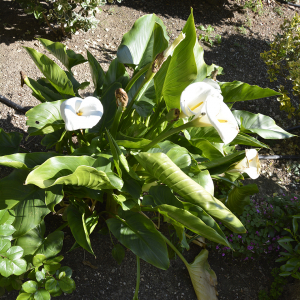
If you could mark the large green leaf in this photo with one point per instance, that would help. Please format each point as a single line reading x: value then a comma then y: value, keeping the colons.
x: 74, y: 170
x: 31, y: 241
x: 67, y: 57
x: 42, y: 92
x: 76, y: 221
x: 115, y: 73
x: 207, y: 149
x: 203, y: 178
x: 245, y: 139
x: 240, y: 91
x: 239, y: 197
x: 143, y: 42
x: 45, y: 118
x: 208, y: 133
x: 10, y: 142
x: 260, y: 124
x: 138, y: 233
x: 97, y: 72
x: 53, y: 196
x: 220, y: 165
x: 179, y: 155
x: 161, y: 167
x: 189, y: 215
x: 180, y: 70
x: 25, y: 160
x: 108, y: 101
x: 56, y: 76
x: 29, y: 213
x: 14, y: 191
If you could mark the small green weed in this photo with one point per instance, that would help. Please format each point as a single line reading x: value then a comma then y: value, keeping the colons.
x: 276, y: 287
x: 242, y: 30
x: 207, y: 36
x: 278, y: 10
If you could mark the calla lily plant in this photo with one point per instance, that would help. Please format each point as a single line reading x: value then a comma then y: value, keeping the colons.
x: 138, y: 140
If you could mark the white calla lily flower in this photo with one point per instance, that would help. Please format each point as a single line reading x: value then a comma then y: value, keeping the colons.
x: 81, y: 113
x: 205, y: 102
x: 250, y: 164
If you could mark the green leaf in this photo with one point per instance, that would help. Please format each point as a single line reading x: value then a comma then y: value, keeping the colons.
x: 208, y: 133
x: 239, y: 197
x: 108, y: 101
x: 9, y: 197
x: 42, y: 295
x: 97, y: 72
x: 51, y: 245
x: 67, y: 57
x: 207, y: 149
x: 53, y: 196
x: 190, y: 216
x: 30, y: 286
x: 4, y: 245
x: 15, y: 266
x: 245, y: 139
x: 115, y: 73
x: 25, y: 160
x: 161, y: 167
x: 6, y: 230
x: 67, y: 285
x: 74, y: 170
x: 259, y: 124
x: 179, y: 70
x: 179, y: 155
x: 220, y: 165
x: 118, y: 253
x: 138, y: 233
x: 143, y: 42
x: 56, y: 76
x: 14, y: 253
x: 25, y: 296
x: 76, y: 220
x: 45, y: 118
x: 43, y: 92
x: 32, y: 239
x: 10, y: 142
x: 38, y: 259
x: 203, y: 178
x: 6, y: 217
x: 52, y: 286
x: 240, y: 91
x: 29, y: 213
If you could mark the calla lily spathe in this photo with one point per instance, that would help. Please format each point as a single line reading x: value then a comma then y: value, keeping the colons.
x: 250, y: 164
x: 204, y: 101
x: 81, y: 113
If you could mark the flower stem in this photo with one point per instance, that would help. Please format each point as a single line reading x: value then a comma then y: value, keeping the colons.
x: 136, y: 77
x: 138, y: 277
x: 175, y: 250
x: 115, y: 125
x: 166, y: 133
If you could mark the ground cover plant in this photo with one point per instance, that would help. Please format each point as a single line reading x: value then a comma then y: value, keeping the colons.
x: 118, y: 157
x: 69, y: 15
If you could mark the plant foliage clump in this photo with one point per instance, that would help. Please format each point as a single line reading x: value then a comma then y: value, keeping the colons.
x: 129, y: 156
x: 284, y: 60
x: 69, y: 15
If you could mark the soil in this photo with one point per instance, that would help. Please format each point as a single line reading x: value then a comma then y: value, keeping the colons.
x: 244, y: 35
